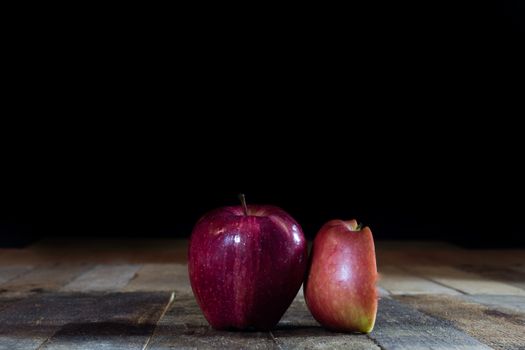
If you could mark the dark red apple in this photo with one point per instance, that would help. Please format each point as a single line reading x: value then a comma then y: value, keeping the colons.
x: 340, y: 289
x: 246, y: 265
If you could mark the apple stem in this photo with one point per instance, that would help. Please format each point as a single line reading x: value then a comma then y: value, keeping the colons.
x: 359, y: 227
x: 243, y: 202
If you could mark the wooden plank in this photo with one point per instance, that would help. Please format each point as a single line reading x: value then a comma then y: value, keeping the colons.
x: 4, y: 302
x: 497, y: 273
x: 500, y: 330
x: 399, y: 326
x: 9, y: 272
x: 7, y: 301
x: 45, y: 278
x: 319, y: 338
x: 518, y: 267
x: 397, y: 281
x: 466, y: 282
x: 161, y: 277
x: 170, y: 337
x: 493, y: 257
x: 297, y: 315
x: 119, y: 321
x: 512, y: 303
x: 103, y: 278
x: 81, y: 321
x: 184, y: 326
x: 382, y: 292
x: 299, y: 330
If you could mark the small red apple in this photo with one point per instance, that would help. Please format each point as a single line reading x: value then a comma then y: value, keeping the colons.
x: 340, y: 288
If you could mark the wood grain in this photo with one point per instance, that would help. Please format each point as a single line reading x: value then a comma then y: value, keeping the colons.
x: 9, y: 272
x: 512, y: 303
x: 118, y: 321
x: 319, y: 338
x: 468, y: 283
x: 297, y: 315
x: 45, y: 278
x: 8, y: 301
x: 500, y: 330
x: 399, y: 326
x: 81, y: 321
x: 161, y: 277
x: 498, y: 273
x: 433, y: 296
x: 184, y: 327
x: 103, y: 278
x: 397, y: 281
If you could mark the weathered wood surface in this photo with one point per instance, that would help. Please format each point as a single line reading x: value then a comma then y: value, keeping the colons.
x: 513, y: 303
x: 398, y: 281
x: 498, y: 273
x: 113, y: 296
x: 500, y: 330
x: 6, y: 301
x: 161, y: 277
x: 81, y: 321
x: 399, y: 326
x: 103, y: 278
x: 9, y: 272
x: 184, y: 326
x: 466, y: 282
x: 44, y: 278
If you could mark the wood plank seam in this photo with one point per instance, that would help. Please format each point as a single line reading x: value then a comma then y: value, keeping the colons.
x: 468, y: 283
x: 431, y: 280
x: 68, y: 280
x: 23, y: 270
x: 512, y: 303
x: 102, y: 277
x: 375, y: 342
x: 41, y: 346
x: 497, y: 329
x: 401, y: 326
x: 398, y: 281
x: 45, y: 278
x: 166, y: 308
x: 275, y: 341
x: 81, y: 320
x: 501, y: 274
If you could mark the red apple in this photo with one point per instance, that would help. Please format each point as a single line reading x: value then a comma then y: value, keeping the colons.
x: 246, y: 265
x: 340, y: 289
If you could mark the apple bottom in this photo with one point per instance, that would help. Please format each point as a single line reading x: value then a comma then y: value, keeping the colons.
x: 256, y: 306
x: 343, y: 317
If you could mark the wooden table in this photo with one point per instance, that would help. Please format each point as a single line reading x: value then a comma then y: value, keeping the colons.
x: 136, y: 295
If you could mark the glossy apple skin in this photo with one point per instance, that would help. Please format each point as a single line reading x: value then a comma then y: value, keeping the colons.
x: 340, y: 289
x: 246, y: 270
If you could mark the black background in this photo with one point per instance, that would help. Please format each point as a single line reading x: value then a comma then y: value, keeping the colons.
x: 402, y: 116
